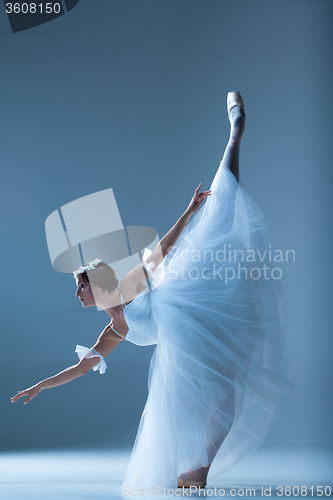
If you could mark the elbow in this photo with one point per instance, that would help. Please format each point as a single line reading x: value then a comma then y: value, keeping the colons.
x: 165, y: 249
x: 81, y: 370
x: 85, y: 369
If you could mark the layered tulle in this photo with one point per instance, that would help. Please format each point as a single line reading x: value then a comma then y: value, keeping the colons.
x: 217, y: 379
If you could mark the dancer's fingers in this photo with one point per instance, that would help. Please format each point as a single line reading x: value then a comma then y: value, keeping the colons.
x: 15, y: 398
x: 19, y: 395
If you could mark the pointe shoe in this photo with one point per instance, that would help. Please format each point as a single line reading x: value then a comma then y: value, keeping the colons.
x: 236, y: 114
x: 190, y: 481
x: 187, y: 483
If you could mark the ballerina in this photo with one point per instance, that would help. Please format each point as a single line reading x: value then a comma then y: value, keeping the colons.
x: 217, y: 379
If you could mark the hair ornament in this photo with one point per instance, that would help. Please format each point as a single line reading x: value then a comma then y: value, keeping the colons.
x: 91, y: 265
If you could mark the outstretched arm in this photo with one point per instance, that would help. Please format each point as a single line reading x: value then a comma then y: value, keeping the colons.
x: 105, y: 344
x: 169, y: 240
x: 132, y: 283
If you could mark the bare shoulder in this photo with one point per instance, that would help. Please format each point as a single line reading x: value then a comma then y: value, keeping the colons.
x: 132, y: 283
x: 108, y: 334
x: 130, y: 291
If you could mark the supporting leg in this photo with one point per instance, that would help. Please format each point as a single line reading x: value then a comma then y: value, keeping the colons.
x: 220, y: 427
x: 222, y: 424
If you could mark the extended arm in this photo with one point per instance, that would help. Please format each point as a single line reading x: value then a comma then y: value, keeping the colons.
x: 134, y: 279
x: 106, y: 342
x: 169, y: 240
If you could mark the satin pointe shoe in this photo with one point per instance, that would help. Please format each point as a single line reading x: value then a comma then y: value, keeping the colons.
x: 236, y: 115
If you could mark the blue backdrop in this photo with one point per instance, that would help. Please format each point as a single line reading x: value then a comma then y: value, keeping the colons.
x: 131, y: 95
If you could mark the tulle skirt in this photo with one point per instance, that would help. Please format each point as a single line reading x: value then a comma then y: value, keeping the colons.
x: 217, y: 380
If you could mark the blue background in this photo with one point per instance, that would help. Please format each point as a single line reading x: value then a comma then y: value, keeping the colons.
x: 131, y: 95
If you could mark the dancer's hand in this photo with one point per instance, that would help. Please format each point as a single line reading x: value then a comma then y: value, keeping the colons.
x: 197, y: 199
x: 31, y: 393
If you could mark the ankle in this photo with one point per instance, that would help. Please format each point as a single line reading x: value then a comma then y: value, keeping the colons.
x: 234, y: 142
x: 196, y: 474
x: 237, y: 122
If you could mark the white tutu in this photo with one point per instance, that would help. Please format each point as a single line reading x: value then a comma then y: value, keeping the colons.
x: 219, y: 367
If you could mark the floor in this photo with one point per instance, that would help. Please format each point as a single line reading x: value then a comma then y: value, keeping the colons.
x: 96, y: 474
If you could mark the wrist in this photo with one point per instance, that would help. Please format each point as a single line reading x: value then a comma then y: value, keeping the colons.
x: 42, y: 385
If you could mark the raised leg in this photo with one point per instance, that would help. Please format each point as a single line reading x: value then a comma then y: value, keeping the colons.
x: 230, y: 159
x: 236, y: 114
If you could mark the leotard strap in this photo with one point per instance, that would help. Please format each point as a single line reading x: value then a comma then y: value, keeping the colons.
x: 123, y: 306
x: 147, y: 267
x: 122, y: 300
x: 115, y: 331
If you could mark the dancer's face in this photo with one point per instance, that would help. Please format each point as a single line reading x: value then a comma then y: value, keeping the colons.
x: 84, y: 292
